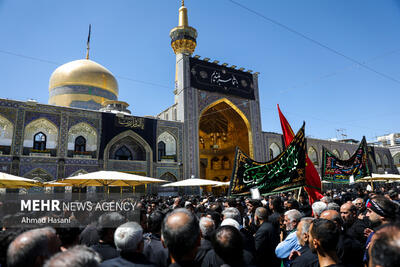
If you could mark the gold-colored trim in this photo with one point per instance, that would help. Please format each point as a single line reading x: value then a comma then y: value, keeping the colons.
x: 66, y: 99
x: 241, y: 114
x: 183, y: 46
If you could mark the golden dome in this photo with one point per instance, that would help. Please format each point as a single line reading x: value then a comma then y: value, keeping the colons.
x: 84, y: 72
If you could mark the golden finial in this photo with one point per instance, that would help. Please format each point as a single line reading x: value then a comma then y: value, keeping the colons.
x: 88, y: 42
x: 183, y: 37
x: 183, y: 17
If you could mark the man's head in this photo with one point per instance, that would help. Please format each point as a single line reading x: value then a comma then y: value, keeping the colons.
x: 207, y: 227
x: 348, y: 212
x: 129, y: 237
x: 154, y: 222
x: 302, y: 199
x: 359, y: 203
x: 326, y: 200
x: 34, y: 247
x: 384, y: 249
x: 232, y: 213
x: 333, y: 216
x: 318, y: 207
x: 302, y: 230
x: 261, y: 215
x: 292, y: 218
x: 181, y: 234
x: 106, y: 225
x: 78, y: 256
x: 323, y: 236
x: 381, y: 210
x: 228, y: 244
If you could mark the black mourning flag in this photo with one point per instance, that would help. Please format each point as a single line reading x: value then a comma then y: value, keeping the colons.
x: 285, y: 172
x: 336, y: 170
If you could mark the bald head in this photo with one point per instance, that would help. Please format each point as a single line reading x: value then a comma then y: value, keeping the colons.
x: 180, y: 225
x: 348, y: 212
x: 34, y: 246
x: 333, y: 216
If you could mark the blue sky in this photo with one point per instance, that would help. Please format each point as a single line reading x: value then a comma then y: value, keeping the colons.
x: 309, y: 81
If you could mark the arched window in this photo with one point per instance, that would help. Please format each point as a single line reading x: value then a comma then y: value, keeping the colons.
x: 346, y: 155
x: 386, y: 161
x: 312, y: 154
x: 123, y: 153
x: 336, y: 153
x: 80, y: 144
x: 378, y: 161
x: 396, y: 159
x: 39, y: 141
x: 215, y: 163
x: 274, y: 150
x: 161, y: 150
x: 226, y: 165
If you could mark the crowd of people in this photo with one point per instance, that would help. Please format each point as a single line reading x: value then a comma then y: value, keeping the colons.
x: 351, y: 227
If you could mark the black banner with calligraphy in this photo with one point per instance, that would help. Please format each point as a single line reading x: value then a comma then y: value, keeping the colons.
x: 285, y: 172
x: 336, y: 170
x: 215, y: 78
x: 113, y: 125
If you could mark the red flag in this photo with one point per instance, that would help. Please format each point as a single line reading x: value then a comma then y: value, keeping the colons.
x: 313, y: 182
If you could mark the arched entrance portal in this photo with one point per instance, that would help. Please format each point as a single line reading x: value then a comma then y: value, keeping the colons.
x: 222, y: 127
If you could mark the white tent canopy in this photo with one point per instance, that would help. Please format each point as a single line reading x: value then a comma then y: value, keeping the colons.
x: 109, y: 178
x: 380, y: 177
x: 195, y: 182
x: 12, y: 181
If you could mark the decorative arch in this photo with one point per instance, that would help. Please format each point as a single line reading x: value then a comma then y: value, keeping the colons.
x: 222, y: 126
x: 373, y: 163
x: 168, y: 177
x: 39, y: 174
x: 240, y: 113
x: 128, y: 135
x: 166, y: 144
x: 378, y: 160
x: 396, y: 159
x: 336, y: 153
x: 6, y: 131
x: 386, y: 162
x: 313, y: 155
x: 346, y: 155
x: 274, y: 150
x: 86, y: 131
x: 124, y: 153
x: 46, y: 127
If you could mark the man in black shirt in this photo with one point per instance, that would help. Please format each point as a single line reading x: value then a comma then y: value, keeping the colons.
x: 180, y: 233
x: 106, y: 226
x: 266, y: 240
x: 129, y: 241
x: 353, y: 226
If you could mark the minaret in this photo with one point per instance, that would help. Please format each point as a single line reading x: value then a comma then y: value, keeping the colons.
x: 183, y: 42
